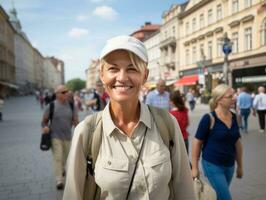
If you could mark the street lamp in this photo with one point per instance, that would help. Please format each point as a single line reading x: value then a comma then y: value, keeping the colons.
x: 227, y: 49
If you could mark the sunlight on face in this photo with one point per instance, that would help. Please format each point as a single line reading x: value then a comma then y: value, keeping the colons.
x: 122, y: 80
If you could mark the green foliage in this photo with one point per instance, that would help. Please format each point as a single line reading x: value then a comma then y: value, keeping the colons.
x: 75, y: 84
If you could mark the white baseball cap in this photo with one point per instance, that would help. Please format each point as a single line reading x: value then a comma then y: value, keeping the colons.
x: 125, y: 42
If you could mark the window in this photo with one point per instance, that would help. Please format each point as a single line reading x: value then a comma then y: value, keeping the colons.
x: 210, y: 50
x: 263, y: 32
x: 193, y: 24
x: 248, y: 3
x: 248, y: 39
x: 165, y: 34
x: 187, y: 57
x: 235, y: 6
x: 202, y: 54
x: 235, y: 42
x: 194, y: 54
x: 219, y: 12
x: 210, y: 18
x: 201, y: 22
x: 173, y: 31
x: 219, y: 47
x: 187, y: 28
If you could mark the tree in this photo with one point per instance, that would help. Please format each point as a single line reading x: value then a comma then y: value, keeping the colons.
x: 75, y: 84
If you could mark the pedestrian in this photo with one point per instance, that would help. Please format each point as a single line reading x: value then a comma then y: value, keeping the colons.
x: 180, y: 112
x: 218, y: 138
x: 1, y: 107
x: 129, y: 132
x: 191, y: 99
x: 100, y: 98
x: 259, y: 104
x: 64, y: 116
x: 159, y: 97
x: 244, y: 106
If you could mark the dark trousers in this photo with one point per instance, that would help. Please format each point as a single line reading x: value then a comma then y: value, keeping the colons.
x: 244, y: 112
x: 261, y: 114
x: 1, y: 117
x: 192, y: 105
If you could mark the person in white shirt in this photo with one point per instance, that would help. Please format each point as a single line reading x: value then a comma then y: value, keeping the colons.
x: 259, y: 104
x: 128, y: 132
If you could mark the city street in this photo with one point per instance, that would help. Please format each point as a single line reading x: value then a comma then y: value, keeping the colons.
x: 26, y: 172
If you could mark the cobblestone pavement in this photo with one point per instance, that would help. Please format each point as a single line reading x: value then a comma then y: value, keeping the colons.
x: 26, y: 172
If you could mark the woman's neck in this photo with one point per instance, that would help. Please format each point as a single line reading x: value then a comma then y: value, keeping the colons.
x: 222, y: 111
x: 125, y: 116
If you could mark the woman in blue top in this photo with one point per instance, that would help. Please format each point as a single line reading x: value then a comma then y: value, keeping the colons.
x: 219, y: 140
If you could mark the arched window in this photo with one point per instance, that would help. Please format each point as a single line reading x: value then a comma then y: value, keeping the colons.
x: 263, y: 32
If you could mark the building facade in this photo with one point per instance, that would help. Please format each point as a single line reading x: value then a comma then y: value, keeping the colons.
x: 204, y: 24
x: 169, y: 44
x: 7, y: 57
x: 153, y: 48
x: 92, y: 74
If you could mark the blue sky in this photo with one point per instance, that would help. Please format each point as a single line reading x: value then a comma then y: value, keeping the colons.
x: 76, y: 30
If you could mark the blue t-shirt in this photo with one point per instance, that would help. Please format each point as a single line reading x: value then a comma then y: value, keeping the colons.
x: 219, y: 142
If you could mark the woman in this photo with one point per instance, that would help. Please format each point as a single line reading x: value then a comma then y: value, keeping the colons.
x: 218, y: 138
x: 128, y: 134
x: 180, y: 112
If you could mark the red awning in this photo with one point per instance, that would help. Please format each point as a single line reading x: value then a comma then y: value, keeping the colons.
x: 187, y: 80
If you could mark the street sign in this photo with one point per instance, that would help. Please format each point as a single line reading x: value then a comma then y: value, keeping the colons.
x: 227, y: 48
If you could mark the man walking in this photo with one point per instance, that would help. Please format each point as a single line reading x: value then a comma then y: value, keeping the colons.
x: 259, y: 104
x: 159, y: 97
x: 64, y: 115
x: 244, y: 104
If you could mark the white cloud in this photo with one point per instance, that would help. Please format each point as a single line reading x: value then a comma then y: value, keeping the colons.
x: 106, y: 12
x: 77, y: 32
x: 82, y: 17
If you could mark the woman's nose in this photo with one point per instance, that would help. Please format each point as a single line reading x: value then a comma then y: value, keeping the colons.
x: 122, y: 76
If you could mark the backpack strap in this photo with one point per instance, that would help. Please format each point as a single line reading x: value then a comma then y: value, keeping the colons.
x: 212, y: 121
x: 94, y: 141
x: 51, y: 111
x: 165, y: 125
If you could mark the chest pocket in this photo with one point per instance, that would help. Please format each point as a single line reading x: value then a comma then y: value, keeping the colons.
x: 111, y: 174
x: 159, y: 169
x: 115, y: 164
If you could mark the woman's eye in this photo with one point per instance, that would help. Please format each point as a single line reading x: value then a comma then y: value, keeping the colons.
x: 132, y: 69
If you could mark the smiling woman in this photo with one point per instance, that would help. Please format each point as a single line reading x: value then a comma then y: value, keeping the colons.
x: 133, y: 161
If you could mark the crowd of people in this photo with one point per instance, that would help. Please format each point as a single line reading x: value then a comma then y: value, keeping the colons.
x: 133, y: 159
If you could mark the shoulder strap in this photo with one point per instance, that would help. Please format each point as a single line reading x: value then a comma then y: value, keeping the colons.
x: 51, y: 111
x: 94, y: 141
x: 165, y: 125
x: 212, y: 120
x: 71, y: 105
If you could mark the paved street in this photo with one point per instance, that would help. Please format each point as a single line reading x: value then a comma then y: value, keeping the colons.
x: 26, y: 172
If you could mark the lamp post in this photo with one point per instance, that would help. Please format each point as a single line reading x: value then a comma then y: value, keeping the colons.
x: 227, y: 49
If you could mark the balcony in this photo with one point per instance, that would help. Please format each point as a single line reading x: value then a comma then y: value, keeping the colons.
x: 171, y: 41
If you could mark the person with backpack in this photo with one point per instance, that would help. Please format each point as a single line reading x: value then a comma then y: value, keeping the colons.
x: 218, y: 139
x: 58, y: 118
x: 129, y: 150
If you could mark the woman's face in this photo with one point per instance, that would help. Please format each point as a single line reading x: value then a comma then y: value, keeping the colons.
x: 228, y: 99
x: 123, y: 81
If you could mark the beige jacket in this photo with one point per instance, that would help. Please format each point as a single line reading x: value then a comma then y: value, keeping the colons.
x: 157, y: 171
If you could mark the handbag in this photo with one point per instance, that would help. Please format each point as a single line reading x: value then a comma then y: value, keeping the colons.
x: 45, y: 144
x: 203, y: 190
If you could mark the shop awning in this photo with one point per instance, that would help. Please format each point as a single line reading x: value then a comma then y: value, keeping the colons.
x: 187, y: 80
x: 9, y: 85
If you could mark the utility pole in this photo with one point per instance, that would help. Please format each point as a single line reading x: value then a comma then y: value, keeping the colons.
x: 227, y: 49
